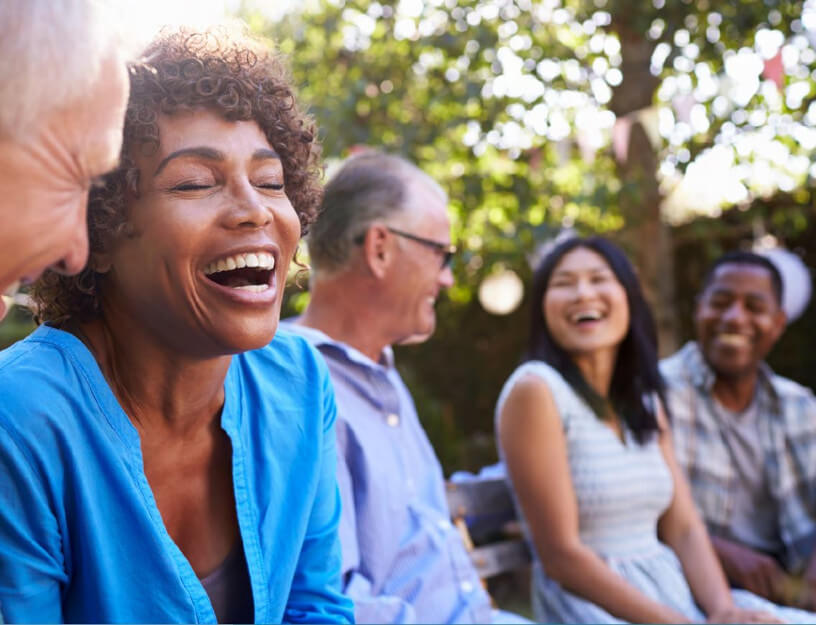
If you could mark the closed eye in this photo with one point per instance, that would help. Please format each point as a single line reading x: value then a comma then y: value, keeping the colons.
x: 190, y: 186
x: 275, y: 186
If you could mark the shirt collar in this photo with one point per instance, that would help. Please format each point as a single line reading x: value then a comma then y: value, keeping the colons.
x: 319, y: 339
x: 703, y: 376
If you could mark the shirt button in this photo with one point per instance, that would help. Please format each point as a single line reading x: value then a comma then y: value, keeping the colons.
x: 392, y: 420
x: 466, y: 587
x: 443, y: 524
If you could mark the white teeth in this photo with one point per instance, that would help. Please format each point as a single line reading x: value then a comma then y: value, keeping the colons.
x: 586, y: 315
x: 259, y: 260
x: 733, y: 339
x: 254, y: 288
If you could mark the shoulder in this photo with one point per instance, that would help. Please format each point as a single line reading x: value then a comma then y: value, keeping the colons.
x: 677, y: 368
x: 788, y: 389
x: 290, y: 357
x: 534, y: 374
x: 798, y: 404
x: 287, y: 380
x: 40, y: 370
x: 532, y: 383
x: 48, y: 395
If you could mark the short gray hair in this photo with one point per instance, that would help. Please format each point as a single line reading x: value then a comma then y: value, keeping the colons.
x: 51, y: 53
x: 367, y: 187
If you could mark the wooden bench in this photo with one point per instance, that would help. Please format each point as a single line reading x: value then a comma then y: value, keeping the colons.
x: 483, y: 512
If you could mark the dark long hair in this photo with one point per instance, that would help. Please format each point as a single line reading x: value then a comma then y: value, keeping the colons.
x: 636, y: 378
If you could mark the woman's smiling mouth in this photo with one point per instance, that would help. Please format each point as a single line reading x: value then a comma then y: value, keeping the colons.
x: 249, y: 271
x: 248, y: 275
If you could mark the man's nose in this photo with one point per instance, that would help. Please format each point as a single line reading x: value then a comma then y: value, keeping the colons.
x: 735, y: 313
x: 446, y: 277
x: 76, y: 254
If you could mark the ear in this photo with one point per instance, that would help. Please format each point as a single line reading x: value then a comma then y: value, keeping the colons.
x: 378, y: 250
x: 100, y: 262
x: 780, y: 321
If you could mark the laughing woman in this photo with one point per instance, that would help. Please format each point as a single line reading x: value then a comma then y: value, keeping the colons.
x: 607, y: 511
x: 152, y: 467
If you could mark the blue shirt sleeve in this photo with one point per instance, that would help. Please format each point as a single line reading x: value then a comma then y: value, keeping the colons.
x: 31, y: 562
x: 315, y: 596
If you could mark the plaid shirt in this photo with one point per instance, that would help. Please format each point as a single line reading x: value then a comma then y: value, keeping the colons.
x: 787, y: 422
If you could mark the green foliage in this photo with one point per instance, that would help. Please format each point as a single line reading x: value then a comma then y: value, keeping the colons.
x: 510, y: 104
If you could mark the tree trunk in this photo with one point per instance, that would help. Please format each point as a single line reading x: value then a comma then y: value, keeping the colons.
x: 646, y: 238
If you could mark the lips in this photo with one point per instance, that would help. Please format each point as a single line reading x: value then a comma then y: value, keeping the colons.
x: 581, y: 317
x: 247, y: 276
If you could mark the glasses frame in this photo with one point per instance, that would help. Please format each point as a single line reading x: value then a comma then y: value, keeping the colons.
x: 448, y: 251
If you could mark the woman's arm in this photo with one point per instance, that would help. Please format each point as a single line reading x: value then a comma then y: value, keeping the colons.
x: 682, y: 529
x: 532, y: 438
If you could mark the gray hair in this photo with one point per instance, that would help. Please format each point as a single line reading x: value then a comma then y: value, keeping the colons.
x: 368, y: 187
x: 51, y: 52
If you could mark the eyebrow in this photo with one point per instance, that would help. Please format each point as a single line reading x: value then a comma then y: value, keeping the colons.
x: 571, y: 272
x: 211, y: 154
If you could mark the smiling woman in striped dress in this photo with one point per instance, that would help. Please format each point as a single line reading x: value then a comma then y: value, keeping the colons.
x: 581, y: 428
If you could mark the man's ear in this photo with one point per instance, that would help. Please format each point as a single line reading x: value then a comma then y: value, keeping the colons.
x: 780, y: 322
x: 378, y: 250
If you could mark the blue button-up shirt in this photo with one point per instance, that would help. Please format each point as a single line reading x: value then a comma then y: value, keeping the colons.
x: 403, y: 560
x: 81, y: 537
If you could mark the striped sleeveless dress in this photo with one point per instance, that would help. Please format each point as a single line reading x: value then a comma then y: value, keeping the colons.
x: 622, y: 488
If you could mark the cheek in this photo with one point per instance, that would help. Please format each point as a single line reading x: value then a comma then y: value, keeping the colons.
x: 550, y: 306
x: 620, y: 308
x: 288, y: 231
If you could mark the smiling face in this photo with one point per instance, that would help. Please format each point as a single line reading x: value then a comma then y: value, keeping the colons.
x: 214, y: 233
x: 418, y: 276
x: 738, y: 319
x: 44, y: 181
x: 585, y: 306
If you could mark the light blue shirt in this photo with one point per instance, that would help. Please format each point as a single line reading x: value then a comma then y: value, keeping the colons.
x: 81, y: 537
x: 403, y: 560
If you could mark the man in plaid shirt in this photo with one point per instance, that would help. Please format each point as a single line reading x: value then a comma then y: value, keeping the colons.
x: 745, y: 436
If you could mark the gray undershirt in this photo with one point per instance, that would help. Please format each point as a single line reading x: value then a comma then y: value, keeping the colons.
x: 229, y: 588
x: 754, y: 520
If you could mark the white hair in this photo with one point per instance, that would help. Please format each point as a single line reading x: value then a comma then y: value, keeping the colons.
x: 51, y: 53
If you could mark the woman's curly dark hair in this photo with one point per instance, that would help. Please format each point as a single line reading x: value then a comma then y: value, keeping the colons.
x: 220, y: 70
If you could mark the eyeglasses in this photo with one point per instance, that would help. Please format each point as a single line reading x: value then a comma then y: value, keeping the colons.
x: 447, y: 251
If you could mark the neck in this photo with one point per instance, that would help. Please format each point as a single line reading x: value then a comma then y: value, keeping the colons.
x: 347, y: 310
x: 735, y: 393
x: 597, y: 368
x: 157, y: 388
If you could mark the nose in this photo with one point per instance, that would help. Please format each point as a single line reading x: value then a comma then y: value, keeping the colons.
x: 735, y: 313
x: 247, y: 210
x: 446, y: 277
x: 583, y: 289
x: 76, y: 254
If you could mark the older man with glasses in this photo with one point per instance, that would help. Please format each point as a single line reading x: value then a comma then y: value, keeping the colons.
x: 380, y: 254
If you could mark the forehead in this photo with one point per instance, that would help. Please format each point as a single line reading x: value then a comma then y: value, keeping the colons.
x: 196, y: 128
x: 581, y: 259
x: 742, y: 278
x: 426, y: 203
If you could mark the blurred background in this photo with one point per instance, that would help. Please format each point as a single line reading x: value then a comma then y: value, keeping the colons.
x: 679, y: 128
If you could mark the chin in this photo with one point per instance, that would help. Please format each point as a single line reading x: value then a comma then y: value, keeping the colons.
x: 248, y: 337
